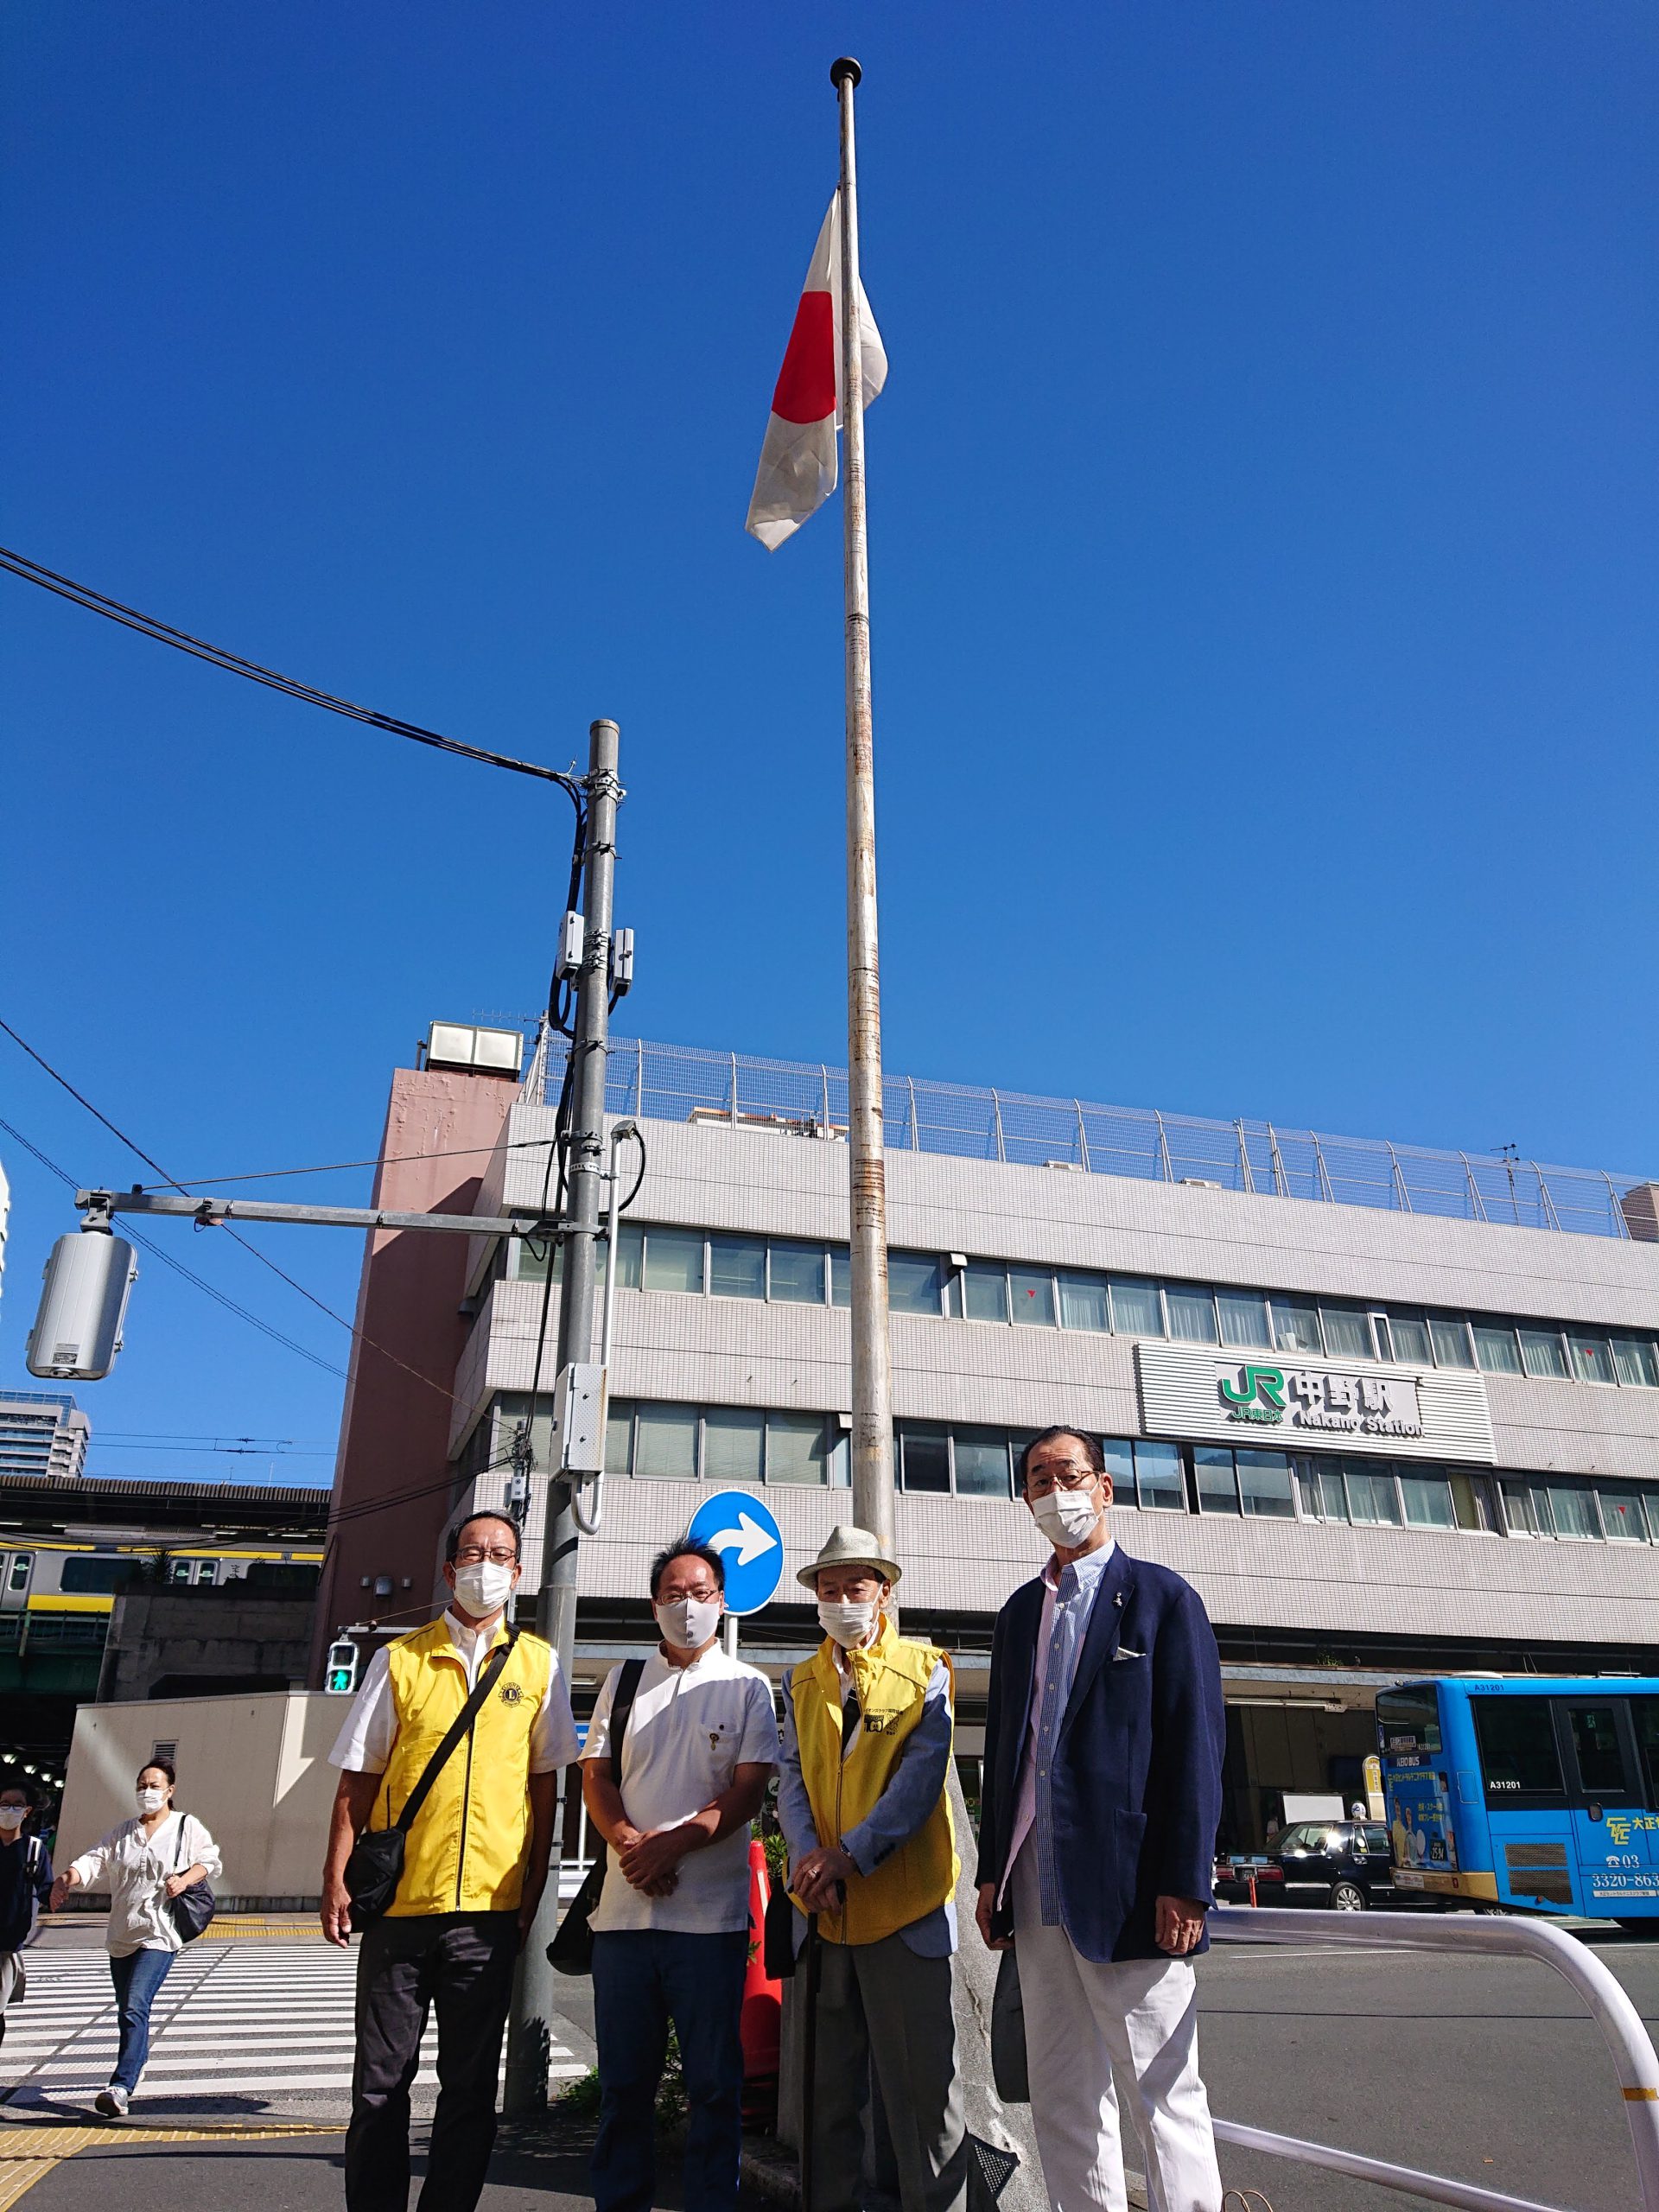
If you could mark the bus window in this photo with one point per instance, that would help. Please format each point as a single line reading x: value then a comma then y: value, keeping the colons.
x: 1599, y: 1754
x: 1645, y: 1713
x: 1409, y: 1721
x: 1519, y: 1762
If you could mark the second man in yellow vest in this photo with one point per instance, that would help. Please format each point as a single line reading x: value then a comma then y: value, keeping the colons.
x: 868, y: 1728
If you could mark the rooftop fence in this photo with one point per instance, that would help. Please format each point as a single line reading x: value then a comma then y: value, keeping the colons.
x: 680, y: 1082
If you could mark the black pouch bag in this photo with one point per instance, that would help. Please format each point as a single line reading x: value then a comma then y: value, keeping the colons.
x: 376, y: 1866
x: 192, y: 1909
x: 571, y: 1950
x: 778, y: 1943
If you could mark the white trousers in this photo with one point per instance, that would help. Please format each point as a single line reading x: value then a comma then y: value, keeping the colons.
x: 1088, y: 2028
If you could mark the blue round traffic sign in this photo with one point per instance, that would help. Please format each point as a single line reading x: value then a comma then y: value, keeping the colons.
x: 735, y: 1523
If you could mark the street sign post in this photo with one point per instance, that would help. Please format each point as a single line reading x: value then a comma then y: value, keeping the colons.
x: 740, y: 1526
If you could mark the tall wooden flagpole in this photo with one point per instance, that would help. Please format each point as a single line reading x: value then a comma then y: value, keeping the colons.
x: 872, y: 1375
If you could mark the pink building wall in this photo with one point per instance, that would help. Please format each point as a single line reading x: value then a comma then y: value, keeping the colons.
x: 395, y: 1428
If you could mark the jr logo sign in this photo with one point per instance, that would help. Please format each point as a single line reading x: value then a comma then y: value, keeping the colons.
x: 1259, y: 1394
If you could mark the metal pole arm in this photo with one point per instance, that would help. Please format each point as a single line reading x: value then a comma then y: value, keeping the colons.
x: 102, y: 1203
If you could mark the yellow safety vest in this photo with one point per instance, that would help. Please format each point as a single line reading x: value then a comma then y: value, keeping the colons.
x: 468, y: 1844
x: 891, y: 1677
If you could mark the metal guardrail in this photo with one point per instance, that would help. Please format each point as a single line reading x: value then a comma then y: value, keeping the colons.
x: 676, y: 1082
x: 1634, y: 2058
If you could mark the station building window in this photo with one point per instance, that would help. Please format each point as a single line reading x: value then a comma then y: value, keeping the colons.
x: 796, y: 1271
x: 655, y: 1441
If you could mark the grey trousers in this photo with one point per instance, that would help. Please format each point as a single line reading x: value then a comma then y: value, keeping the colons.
x: 884, y: 2012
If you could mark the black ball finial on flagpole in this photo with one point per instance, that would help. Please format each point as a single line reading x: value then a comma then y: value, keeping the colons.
x: 845, y: 69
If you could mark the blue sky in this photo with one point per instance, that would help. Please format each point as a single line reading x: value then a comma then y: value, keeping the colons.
x: 1262, y: 523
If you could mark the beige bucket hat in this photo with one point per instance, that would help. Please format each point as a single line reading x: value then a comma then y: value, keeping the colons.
x: 849, y: 1547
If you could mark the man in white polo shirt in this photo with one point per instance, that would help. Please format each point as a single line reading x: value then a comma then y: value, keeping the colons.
x: 670, y: 1930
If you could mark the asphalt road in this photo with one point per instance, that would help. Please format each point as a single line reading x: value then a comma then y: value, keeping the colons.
x: 1486, y: 2069
x: 301, y: 2174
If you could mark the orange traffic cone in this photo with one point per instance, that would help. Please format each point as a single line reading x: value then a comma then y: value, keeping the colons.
x: 763, y: 2002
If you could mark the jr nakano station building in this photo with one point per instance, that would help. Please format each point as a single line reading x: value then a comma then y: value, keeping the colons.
x: 1392, y: 1411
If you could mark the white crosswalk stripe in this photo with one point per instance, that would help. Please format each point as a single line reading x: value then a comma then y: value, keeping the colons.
x: 233, y: 2018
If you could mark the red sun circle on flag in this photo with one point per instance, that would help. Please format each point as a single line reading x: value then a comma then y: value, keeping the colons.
x: 807, y: 382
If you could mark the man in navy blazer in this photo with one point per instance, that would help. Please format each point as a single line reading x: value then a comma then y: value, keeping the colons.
x: 1104, y: 1744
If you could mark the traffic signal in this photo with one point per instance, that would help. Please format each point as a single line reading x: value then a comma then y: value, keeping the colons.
x: 339, y: 1677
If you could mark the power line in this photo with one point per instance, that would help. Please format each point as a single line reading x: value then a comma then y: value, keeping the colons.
x: 149, y: 626
x: 201, y: 1436
x: 236, y: 1236
x: 338, y: 1167
x: 178, y: 1267
x: 242, y: 1451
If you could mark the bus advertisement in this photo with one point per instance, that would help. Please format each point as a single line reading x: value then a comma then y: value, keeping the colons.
x: 1530, y: 1793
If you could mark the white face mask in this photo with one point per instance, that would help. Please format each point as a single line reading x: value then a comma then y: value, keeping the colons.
x: 1066, y: 1517
x: 483, y: 1588
x: 847, y: 1624
x: 151, y: 1800
x: 688, y: 1623
x: 13, y: 1816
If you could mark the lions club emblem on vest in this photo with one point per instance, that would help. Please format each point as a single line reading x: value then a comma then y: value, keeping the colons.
x: 510, y: 1694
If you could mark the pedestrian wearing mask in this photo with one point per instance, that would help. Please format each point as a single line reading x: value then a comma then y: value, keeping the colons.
x: 475, y: 1864
x: 698, y: 1746
x: 144, y: 1864
x: 25, y: 1884
x: 1104, y: 1741
x: 868, y: 1730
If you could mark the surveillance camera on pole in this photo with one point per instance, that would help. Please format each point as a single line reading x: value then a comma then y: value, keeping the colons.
x: 85, y: 1285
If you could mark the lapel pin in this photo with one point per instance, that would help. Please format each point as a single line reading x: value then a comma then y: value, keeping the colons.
x: 1117, y: 1596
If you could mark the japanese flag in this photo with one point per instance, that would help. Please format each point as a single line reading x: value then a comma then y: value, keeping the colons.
x: 798, y: 460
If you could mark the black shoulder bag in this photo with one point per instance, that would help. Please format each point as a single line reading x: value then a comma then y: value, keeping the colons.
x: 376, y: 1866
x: 571, y: 1950
x: 192, y: 1909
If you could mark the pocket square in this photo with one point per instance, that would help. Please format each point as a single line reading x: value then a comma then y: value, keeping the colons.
x: 1120, y: 1653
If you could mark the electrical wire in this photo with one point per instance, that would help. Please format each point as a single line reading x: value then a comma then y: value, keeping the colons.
x: 339, y: 1167
x: 155, y: 1251
x: 561, y: 995
x: 450, y: 1480
x: 149, y: 626
x: 235, y: 1235
x: 217, y: 1451
x: 638, y: 1180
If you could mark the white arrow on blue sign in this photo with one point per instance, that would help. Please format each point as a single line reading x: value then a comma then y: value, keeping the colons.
x: 735, y: 1523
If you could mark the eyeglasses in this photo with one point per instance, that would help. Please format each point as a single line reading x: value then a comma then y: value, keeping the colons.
x: 705, y: 1594
x: 475, y: 1555
x: 1041, y: 1480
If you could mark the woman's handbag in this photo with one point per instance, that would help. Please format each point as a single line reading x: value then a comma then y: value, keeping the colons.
x: 376, y: 1866
x: 571, y: 1950
x: 192, y: 1909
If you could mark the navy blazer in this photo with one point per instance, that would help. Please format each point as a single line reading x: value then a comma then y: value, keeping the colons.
x: 1135, y: 1774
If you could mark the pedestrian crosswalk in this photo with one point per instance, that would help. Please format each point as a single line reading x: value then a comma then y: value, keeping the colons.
x: 257, y: 2022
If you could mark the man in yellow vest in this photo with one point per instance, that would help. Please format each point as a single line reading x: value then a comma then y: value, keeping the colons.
x: 474, y: 1868
x: 868, y: 1728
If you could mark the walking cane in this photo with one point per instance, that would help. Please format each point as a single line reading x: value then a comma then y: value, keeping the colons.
x: 809, y: 2059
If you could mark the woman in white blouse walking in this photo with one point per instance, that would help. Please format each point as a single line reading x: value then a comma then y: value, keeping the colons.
x: 145, y: 1863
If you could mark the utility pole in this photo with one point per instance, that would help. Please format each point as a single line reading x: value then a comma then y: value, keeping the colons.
x: 529, y: 2030
x: 872, y: 1360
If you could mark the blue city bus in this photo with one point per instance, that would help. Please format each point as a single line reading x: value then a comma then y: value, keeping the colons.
x: 1534, y: 1794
